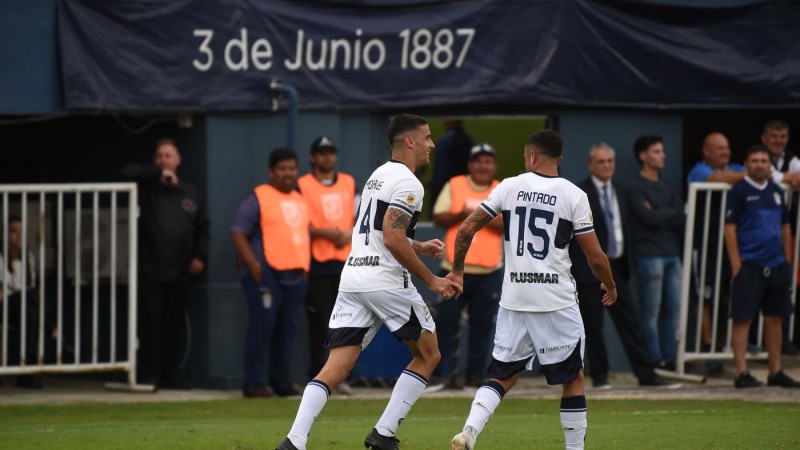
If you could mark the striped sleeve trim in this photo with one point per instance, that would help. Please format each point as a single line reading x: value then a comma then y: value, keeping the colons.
x: 488, y: 210
x: 402, y: 207
x: 583, y: 230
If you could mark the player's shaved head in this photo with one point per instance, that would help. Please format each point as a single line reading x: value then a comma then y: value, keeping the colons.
x: 402, y: 124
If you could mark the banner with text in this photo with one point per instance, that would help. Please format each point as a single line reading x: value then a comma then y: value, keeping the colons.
x: 197, y: 55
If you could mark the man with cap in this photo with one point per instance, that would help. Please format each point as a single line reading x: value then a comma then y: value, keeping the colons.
x: 331, y: 198
x: 483, y: 278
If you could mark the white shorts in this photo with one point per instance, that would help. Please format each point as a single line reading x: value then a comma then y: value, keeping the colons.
x: 555, y: 337
x: 357, y: 316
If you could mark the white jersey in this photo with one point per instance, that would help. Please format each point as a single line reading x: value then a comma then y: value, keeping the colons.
x: 540, y: 215
x: 371, y: 266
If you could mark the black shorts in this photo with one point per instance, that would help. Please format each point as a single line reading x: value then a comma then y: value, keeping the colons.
x: 768, y: 288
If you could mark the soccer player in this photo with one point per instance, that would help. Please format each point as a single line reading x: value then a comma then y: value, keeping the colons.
x: 376, y: 288
x: 539, y: 313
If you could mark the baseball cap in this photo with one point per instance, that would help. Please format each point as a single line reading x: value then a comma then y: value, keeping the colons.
x: 322, y: 143
x: 481, y: 149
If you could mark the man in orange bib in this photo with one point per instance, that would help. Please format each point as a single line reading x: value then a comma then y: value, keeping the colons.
x: 483, y: 279
x: 270, y: 234
x: 330, y: 198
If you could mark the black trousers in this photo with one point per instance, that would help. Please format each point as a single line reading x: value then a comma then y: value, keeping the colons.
x: 626, y: 321
x: 14, y: 332
x: 161, y: 327
x: 320, y: 298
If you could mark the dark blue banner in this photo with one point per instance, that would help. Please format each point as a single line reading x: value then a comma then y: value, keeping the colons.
x: 201, y: 55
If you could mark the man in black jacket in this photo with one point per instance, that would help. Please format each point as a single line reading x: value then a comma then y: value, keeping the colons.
x: 173, y: 244
x: 609, y: 209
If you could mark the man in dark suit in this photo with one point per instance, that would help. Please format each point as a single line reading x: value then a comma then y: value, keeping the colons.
x: 608, y: 203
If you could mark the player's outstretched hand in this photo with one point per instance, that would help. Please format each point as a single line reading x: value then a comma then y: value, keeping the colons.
x: 447, y: 289
x: 457, y: 278
x: 610, y: 296
x: 434, y: 248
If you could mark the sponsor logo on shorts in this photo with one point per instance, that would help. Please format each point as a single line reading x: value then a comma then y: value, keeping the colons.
x: 338, y: 314
x: 533, y: 277
x: 557, y: 349
x: 358, y: 261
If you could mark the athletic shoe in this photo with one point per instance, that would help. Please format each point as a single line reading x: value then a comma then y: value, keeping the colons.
x: 286, y: 445
x: 666, y: 365
x: 754, y: 348
x: 781, y: 379
x: 287, y: 391
x: 376, y: 441
x: 745, y: 380
x: 257, y: 392
x: 344, y: 389
x: 29, y: 382
x: 462, y: 441
x: 601, y: 384
x: 431, y: 388
x: 657, y: 382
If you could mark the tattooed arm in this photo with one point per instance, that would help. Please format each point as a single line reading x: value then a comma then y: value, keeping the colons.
x: 472, y: 224
x: 395, y: 224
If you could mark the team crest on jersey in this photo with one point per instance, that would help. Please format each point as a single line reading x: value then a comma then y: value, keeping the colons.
x: 410, y: 199
x: 777, y: 198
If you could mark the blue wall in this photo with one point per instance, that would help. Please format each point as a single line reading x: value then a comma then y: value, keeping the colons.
x: 29, y: 74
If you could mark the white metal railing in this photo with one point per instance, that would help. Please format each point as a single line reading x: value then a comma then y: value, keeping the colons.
x: 78, y: 250
x: 695, y: 352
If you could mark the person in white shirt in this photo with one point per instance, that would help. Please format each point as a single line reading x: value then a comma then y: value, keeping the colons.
x: 785, y: 169
x: 18, y: 290
x: 539, y: 315
x: 376, y: 288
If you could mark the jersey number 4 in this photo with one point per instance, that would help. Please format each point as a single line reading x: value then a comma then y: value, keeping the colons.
x: 370, y: 221
x: 363, y: 224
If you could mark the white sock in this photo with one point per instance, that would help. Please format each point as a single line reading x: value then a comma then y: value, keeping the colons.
x: 486, y: 401
x: 405, y: 393
x: 314, y: 398
x: 573, y: 420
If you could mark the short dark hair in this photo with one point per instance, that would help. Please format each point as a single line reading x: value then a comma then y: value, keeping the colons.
x: 776, y: 124
x: 403, y: 123
x: 546, y: 143
x: 755, y: 148
x: 166, y: 141
x: 643, y: 144
x: 281, y: 154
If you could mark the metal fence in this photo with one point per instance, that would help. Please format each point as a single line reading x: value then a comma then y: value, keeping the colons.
x: 712, y: 196
x: 68, y: 278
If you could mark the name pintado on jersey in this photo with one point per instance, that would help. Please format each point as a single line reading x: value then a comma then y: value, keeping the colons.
x: 371, y: 266
x: 540, y: 216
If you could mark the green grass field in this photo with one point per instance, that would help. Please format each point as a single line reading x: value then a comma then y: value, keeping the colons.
x: 518, y: 424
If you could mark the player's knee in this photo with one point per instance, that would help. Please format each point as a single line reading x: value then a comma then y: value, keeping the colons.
x: 435, y: 357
